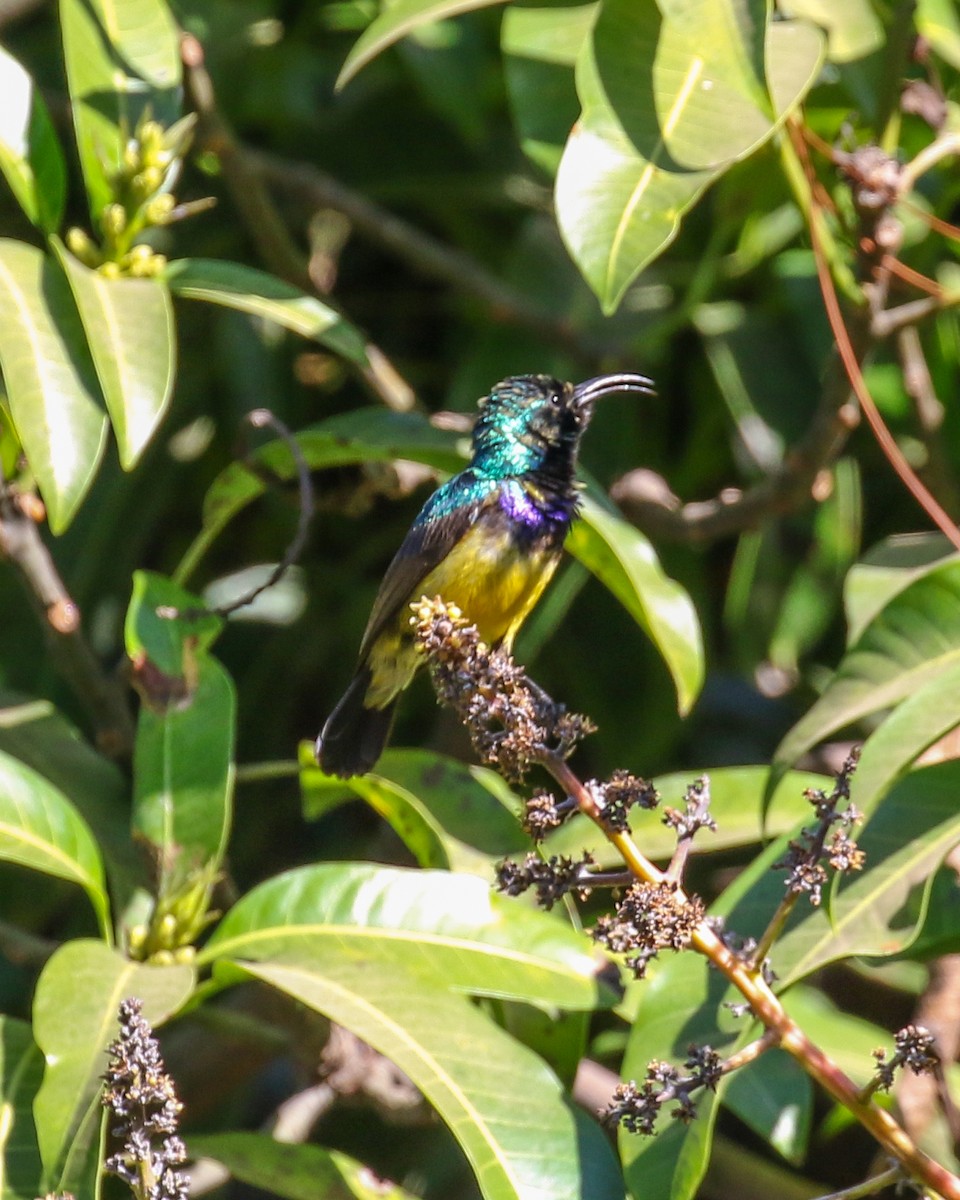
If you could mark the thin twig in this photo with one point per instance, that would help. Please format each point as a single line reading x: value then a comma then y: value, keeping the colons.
x: 263, y: 222
x: 869, y: 1187
x: 102, y: 697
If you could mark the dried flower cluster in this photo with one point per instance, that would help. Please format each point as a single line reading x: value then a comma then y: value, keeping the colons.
x: 649, y: 918
x: 621, y: 793
x: 916, y: 1050
x: 543, y: 813
x: 695, y: 814
x: 809, y: 855
x: 552, y: 878
x: 142, y: 1098
x: 636, y: 1108
x: 511, y: 722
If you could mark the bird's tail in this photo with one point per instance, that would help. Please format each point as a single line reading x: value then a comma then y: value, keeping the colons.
x: 354, y: 735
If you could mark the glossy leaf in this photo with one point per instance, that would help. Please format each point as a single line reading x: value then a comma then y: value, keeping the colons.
x: 939, y: 23
x: 34, y: 733
x: 774, y: 1097
x: 51, y: 385
x: 473, y: 1073
x: 911, y: 641
x: 540, y: 48
x: 853, y: 28
x: 626, y: 563
x: 661, y: 122
x: 849, y: 1040
x: 451, y: 927
x: 183, y: 776
x: 21, y: 1070
x: 30, y: 156
x: 74, y: 1019
x: 367, y: 435
x: 123, y: 62
x: 130, y: 331
x: 395, y: 22
x: 233, y: 285
x: 40, y: 829
x: 885, y: 571
x: 153, y: 635
x: 296, y: 1172
x: 735, y: 804
x: 447, y: 813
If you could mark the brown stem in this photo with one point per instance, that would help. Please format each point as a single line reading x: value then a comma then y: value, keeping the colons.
x: 261, y: 219
x: 768, y: 1010
x: 103, y: 698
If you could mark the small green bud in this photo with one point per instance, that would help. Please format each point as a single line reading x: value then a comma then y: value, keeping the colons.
x: 162, y: 958
x: 158, y: 210
x: 113, y: 220
x: 137, y: 938
x: 185, y: 955
x: 83, y: 246
x: 110, y: 270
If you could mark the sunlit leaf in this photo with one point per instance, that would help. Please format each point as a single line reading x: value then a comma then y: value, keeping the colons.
x: 129, y: 328
x: 853, y: 28
x: 885, y: 571
x: 123, y: 62
x: 939, y: 23
x: 51, y: 385
x: 774, y: 1097
x: 74, y: 1019
x: 30, y: 156
x: 39, y: 828
x: 233, y: 285
x: 626, y: 563
x: 395, y: 22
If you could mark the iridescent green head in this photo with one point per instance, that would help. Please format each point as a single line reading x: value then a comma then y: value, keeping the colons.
x: 532, y: 423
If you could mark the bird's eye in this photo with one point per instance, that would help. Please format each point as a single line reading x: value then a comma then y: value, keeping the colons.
x: 555, y: 399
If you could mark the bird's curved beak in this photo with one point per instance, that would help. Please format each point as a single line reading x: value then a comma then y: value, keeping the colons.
x: 584, y: 394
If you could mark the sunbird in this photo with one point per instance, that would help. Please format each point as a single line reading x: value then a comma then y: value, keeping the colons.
x: 487, y: 540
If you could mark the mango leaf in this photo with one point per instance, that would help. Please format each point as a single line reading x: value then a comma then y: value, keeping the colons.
x: 853, y: 29
x: 774, y: 1097
x: 38, y: 736
x: 626, y: 563
x: 938, y: 22
x: 30, y: 156
x: 735, y: 804
x: 849, y: 1040
x: 40, y: 829
x: 885, y: 571
x: 130, y: 332
x: 123, y: 62
x: 395, y: 22
x: 367, y: 435
x: 74, y: 1019
x: 540, y: 50
x: 51, y: 385
x: 877, y: 911
x: 248, y: 290
x: 911, y: 641
x: 152, y: 634
x: 21, y: 1071
x: 447, y: 813
x: 452, y: 927
x: 669, y: 102
x: 467, y: 1067
x: 296, y: 1172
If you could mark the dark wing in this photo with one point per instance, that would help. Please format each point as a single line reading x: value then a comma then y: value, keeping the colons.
x: 430, y: 539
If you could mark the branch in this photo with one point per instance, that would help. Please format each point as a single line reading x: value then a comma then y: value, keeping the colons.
x: 101, y: 696
x: 261, y: 219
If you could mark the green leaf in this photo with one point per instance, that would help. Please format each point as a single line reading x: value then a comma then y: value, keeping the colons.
x: 395, y: 22
x: 51, y: 386
x: 911, y: 641
x: 367, y: 435
x: 129, y: 328
x: 33, y: 732
x: 938, y: 22
x: 21, y: 1070
x: 540, y: 49
x: 451, y: 926
x: 30, y: 155
x: 74, y: 1019
x: 296, y: 1172
x: 626, y: 563
x: 183, y: 777
x: 669, y: 102
x: 473, y: 1073
x: 447, y: 813
x: 735, y: 803
x: 847, y: 1039
x: 152, y: 635
x: 123, y: 62
x: 248, y: 290
x: 774, y: 1097
x: 853, y: 29
x: 39, y: 828
x: 885, y: 571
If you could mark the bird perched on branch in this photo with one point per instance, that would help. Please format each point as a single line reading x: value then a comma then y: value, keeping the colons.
x: 487, y: 540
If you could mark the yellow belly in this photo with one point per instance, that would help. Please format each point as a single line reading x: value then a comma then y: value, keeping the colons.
x: 493, y: 583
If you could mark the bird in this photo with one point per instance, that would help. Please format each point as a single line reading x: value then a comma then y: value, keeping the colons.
x: 488, y: 540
